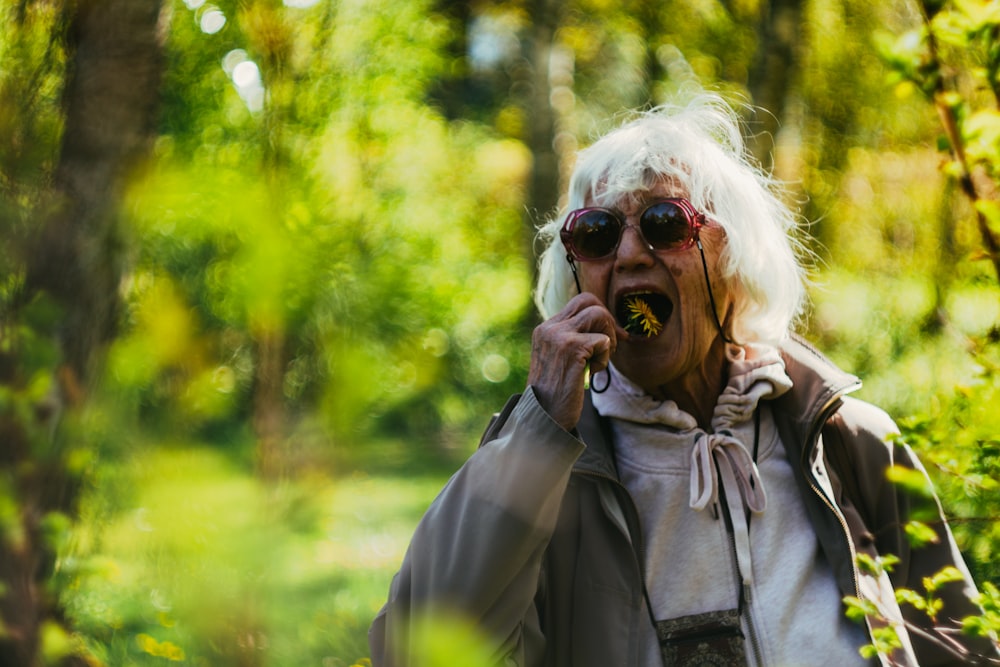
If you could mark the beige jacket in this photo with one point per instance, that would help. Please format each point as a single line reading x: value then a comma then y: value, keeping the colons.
x: 536, y: 541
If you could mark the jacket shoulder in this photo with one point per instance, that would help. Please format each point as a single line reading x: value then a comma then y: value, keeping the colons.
x: 864, y: 423
x: 859, y: 441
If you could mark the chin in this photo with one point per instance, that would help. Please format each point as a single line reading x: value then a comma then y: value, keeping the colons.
x: 647, y: 366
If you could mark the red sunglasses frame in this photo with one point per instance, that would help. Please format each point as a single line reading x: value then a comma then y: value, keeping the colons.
x: 695, y: 222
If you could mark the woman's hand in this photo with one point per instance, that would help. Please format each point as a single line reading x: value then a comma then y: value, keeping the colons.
x: 582, y: 334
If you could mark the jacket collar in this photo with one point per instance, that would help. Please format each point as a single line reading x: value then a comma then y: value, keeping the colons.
x: 818, y: 386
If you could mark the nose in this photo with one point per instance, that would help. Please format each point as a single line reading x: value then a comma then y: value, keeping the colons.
x: 633, y: 251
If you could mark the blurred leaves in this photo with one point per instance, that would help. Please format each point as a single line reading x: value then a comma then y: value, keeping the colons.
x: 358, y: 237
x: 988, y: 623
x: 956, y: 436
x: 325, y: 257
x: 215, y: 562
x: 911, y: 480
x: 920, y: 534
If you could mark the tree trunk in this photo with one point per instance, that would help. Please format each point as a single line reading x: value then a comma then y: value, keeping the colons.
x: 772, y: 72
x: 542, y: 196
x: 652, y: 34
x: 114, y: 66
x: 269, y: 402
x: 543, y: 184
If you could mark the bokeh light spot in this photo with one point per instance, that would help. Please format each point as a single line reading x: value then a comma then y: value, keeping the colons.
x: 495, y: 368
x: 212, y: 21
x: 246, y: 74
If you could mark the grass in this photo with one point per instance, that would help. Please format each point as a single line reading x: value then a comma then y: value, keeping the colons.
x: 203, y: 564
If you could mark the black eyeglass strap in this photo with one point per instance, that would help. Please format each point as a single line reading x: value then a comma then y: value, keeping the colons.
x: 711, y: 297
x: 572, y: 267
x: 576, y: 279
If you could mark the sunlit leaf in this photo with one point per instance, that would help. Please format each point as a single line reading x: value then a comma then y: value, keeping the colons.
x: 920, y: 534
x: 978, y: 14
x: 912, y: 480
x: 982, y: 132
x: 911, y: 597
x: 857, y: 609
x: 56, y: 642
x: 944, y: 576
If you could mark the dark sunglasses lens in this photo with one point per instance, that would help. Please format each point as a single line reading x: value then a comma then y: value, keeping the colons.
x: 595, y: 234
x: 665, y: 225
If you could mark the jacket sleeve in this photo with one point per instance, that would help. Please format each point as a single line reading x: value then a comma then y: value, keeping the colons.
x: 477, y: 553
x: 873, y: 448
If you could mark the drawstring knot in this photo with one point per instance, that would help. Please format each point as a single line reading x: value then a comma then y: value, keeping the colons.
x: 721, y: 457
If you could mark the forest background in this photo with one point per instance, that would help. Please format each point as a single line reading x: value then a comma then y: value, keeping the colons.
x: 267, y: 265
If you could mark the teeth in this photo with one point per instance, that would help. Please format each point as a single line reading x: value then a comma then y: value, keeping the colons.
x: 639, y: 317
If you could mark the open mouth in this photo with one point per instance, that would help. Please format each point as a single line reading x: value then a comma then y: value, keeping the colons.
x: 643, y: 313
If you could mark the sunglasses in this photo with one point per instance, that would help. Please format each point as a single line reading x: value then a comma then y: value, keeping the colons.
x: 666, y: 224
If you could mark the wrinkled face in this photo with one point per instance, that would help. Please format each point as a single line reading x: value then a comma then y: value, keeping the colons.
x: 659, y: 297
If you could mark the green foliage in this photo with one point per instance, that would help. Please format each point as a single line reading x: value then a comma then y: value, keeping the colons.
x: 30, y: 122
x: 929, y: 603
x: 878, y: 565
x: 357, y: 243
x: 885, y: 641
x: 986, y: 624
x: 954, y: 58
x: 957, y: 439
x: 438, y: 640
x: 885, y: 638
x: 936, y: 380
x: 326, y: 253
x: 920, y: 534
x: 202, y: 562
x: 857, y: 609
x: 911, y: 480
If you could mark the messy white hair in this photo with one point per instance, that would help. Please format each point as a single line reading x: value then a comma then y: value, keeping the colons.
x: 698, y: 147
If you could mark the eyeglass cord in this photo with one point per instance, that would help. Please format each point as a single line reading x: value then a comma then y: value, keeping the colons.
x: 711, y: 297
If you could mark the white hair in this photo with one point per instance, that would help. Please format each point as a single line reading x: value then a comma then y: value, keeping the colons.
x: 699, y: 147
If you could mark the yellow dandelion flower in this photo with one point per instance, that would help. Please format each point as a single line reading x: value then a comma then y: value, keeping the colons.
x: 641, y: 319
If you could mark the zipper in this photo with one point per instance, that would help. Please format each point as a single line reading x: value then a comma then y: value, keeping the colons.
x: 847, y: 536
x: 814, y: 435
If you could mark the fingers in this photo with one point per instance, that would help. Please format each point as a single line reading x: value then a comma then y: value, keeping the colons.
x: 588, y: 315
x: 586, y: 320
x: 600, y: 355
x: 582, y: 334
x: 594, y: 323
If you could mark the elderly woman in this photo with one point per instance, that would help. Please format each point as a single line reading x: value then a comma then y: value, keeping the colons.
x: 703, y: 500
